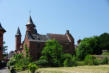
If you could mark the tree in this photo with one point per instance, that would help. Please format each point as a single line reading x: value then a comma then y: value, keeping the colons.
x: 4, y: 50
x: 88, y: 46
x: 104, y: 41
x: 52, y: 52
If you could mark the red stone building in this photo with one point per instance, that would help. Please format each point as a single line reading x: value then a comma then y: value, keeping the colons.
x: 36, y: 42
x: 2, y: 30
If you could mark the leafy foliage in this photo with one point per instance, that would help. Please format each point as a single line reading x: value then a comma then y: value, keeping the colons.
x: 70, y: 61
x: 26, y: 51
x: 104, y: 41
x: 11, y: 62
x: 32, y: 67
x: 105, y: 61
x: 18, y: 56
x: 66, y: 56
x: 19, y: 61
x: 88, y: 46
x: 4, y: 48
x: 91, y: 60
x: 52, y: 53
x: 42, y: 62
x: 22, y: 63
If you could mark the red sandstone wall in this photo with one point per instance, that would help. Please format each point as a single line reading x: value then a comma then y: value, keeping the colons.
x: 0, y: 54
x: 35, y: 49
x: 26, y: 43
x: 1, y: 44
x: 18, y: 42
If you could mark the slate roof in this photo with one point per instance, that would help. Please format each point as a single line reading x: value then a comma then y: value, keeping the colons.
x: 34, y: 36
x: 59, y: 37
x: 30, y: 21
x: 37, y: 37
x: 44, y: 38
x: 18, y: 32
x: 1, y: 28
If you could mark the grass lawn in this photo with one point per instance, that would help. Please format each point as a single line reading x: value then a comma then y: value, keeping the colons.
x: 78, y: 69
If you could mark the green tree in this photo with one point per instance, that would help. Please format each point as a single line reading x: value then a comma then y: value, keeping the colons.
x: 88, y: 46
x: 104, y: 41
x: 4, y: 48
x: 52, y: 53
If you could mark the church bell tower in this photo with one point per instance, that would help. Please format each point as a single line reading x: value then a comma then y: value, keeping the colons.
x: 18, y: 39
x: 30, y: 26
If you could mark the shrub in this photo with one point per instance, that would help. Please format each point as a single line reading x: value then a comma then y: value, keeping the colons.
x: 91, y: 60
x: 66, y: 56
x: 68, y: 62
x: 18, y: 56
x: 42, y: 62
x: 22, y: 64
x: 74, y: 61
x: 11, y: 62
x: 104, y: 61
x: 52, y: 53
x: 19, y: 62
x: 32, y: 67
x: 96, y: 62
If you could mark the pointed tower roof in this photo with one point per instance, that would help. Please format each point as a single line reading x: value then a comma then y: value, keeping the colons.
x: 1, y: 28
x: 30, y: 21
x: 18, y: 32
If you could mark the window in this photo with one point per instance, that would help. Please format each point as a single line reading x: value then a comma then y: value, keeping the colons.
x: 0, y: 48
x: 38, y: 45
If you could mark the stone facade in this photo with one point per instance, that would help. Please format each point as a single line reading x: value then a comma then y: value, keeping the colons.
x: 36, y: 42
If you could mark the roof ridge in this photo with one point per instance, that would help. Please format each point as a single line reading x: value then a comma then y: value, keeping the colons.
x: 55, y: 34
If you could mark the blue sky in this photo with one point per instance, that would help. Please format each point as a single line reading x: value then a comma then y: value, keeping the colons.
x: 84, y: 18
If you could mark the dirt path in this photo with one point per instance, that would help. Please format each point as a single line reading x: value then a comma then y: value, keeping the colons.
x: 4, y: 70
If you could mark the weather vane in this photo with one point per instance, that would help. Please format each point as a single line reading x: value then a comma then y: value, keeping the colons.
x: 29, y: 12
x: 67, y: 26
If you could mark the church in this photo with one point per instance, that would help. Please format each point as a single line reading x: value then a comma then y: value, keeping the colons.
x: 36, y: 41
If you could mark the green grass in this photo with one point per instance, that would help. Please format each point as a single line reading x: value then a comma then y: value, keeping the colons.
x: 80, y: 63
x: 78, y: 69
x: 107, y: 53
